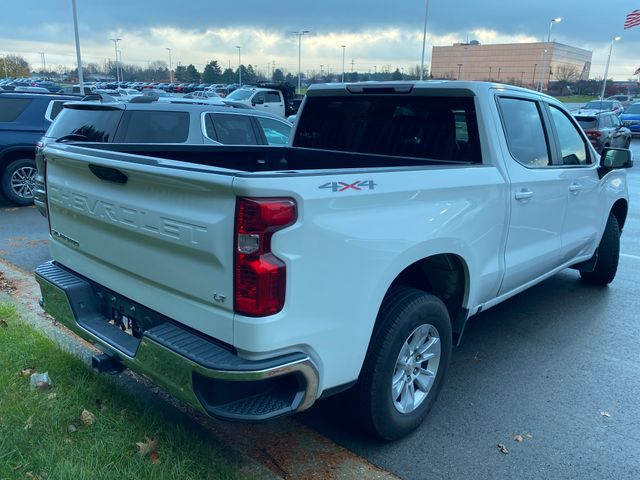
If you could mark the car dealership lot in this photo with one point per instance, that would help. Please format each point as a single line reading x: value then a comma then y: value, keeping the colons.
x: 556, y: 364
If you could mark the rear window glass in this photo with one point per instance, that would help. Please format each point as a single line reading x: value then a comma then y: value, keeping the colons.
x: 154, y: 127
x: 587, y: 122
x: 230, y: 129
x: 87, y: 125
x: 11, y: 108
x: 442, y: 128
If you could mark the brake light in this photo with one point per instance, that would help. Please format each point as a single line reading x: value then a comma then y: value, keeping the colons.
x: 260, y: 276
x: 593, y: 133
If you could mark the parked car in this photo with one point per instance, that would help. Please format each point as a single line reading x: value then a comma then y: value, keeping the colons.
x: 624, y: 100
x: 252, y: 281
x: 631, y: 118
x: 156, y: 122
x: 595, y: 106
x: 24, y: 117
x: 604, y: 130
x: 202, y: 94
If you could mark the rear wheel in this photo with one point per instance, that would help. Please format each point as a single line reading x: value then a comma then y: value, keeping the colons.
x: 406, y: 363
x: 608, y: 253
x: 18, y: 181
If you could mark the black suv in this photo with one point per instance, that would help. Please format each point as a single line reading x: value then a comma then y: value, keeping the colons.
x: 155, y: 121
x: 24, y: 117
x: 604, y: 130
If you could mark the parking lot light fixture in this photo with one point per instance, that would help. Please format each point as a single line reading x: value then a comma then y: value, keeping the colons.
x: 77, y: 38
x: 424, y: 38
x: 170, y: 67
x: 544, y: 54
x: 606, y: 69
x: 300, y: 34
x: 115, y: 46
x: 343, y: 51
x: 239, y: 66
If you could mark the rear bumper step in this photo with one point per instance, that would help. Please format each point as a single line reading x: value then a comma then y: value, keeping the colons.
x: 194, y: 368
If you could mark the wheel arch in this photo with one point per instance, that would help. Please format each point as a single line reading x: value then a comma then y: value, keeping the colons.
x: 445, y: 275
x: 620, y: 209
x: 10, y: 154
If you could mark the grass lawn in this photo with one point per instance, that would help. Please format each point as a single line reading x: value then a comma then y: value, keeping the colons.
x: 46, y: 434
x: 577, y: 98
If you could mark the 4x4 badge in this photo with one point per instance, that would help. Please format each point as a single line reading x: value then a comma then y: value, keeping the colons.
x: 342, y: 186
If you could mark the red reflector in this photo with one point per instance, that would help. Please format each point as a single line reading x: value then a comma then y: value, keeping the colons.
x: 593, y: 133
x: 260, y: 276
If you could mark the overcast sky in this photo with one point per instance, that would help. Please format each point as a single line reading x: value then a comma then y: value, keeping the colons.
x: 376, y: 33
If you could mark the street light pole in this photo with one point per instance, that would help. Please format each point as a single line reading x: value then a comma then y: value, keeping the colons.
x: 606, y: 70
x: 115, y: 46
x: 78, y: 59
x: 343, y: 50
x: 424, y: 38
x: 300, y: 34
x: 170, y: 67
x: 239, y: 66
x: 544, y: 54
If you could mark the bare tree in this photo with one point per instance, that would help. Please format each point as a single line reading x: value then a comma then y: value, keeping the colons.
x: 567, y: 73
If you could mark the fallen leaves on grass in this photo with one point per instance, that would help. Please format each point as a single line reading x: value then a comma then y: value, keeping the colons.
x: 27, y: 372
x: 148, y: 447
x: 87, y: 418
x: 502, y: 448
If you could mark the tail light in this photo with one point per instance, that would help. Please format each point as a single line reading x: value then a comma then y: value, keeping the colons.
x: 260, y: 276
x: 593, y: 133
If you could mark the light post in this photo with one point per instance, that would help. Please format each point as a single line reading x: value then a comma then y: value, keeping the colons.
x: 300, y: 34
x: 424, y: 38
x: 343, y: 51
x: 544, y: 54
x: 79, y: 60
x: 606, y: 70
x: 115, y: 46
x: 121, y: 64
x: 170, y: 67
x: 239, y: 66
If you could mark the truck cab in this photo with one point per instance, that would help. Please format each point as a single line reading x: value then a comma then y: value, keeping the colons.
x: 270, y: 100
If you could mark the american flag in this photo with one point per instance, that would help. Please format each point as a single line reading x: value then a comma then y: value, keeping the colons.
x: 633, y: 19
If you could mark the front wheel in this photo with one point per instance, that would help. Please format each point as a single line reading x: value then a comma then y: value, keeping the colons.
x: 608, y: 254
x: 406, y: 363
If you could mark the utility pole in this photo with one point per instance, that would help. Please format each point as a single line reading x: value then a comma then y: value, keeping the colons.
x: 344, y: 47
x: 239, y: 66
x: 424, y: 38
x: 170, y: 67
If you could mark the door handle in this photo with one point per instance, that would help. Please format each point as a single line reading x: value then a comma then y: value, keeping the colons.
x: 524, y: 195
x: 575, y: 188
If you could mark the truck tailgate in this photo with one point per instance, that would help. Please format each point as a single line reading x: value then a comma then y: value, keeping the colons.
x: 157, y: 232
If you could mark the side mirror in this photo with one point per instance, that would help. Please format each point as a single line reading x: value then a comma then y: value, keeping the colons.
x: 613, y: 159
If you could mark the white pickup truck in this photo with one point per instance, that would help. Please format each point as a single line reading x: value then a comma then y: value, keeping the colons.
x: 251, y: 281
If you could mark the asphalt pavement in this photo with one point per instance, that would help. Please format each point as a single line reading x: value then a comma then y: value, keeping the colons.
x: 556, y: 366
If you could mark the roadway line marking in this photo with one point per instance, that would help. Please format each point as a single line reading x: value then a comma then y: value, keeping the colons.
x: 635, y: 257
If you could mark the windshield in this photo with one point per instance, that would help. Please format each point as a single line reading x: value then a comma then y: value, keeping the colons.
x: 240, y: 95
x: 596, y: 105
x: 635, y: 108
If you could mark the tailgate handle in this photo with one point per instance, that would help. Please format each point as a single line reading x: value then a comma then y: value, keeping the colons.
x: 108, y: 174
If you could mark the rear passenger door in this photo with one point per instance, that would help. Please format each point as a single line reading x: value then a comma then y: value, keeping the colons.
x: 537, y: 198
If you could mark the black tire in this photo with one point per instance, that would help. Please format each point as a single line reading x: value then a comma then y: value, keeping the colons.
x: 402, y: 312
x: 18, y: 181
x: 608, y: 254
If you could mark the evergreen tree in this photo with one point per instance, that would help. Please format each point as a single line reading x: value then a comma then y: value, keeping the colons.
x: 278, y: 76
x: 396, y: 75
x: 212, y: 73
x: 229, y: 76
x: 192, y: 74
x: 181, y: 74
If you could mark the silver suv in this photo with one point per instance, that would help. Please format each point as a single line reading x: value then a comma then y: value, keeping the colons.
x: 155, y: 122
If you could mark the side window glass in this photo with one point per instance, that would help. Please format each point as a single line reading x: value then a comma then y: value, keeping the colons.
x: 525, y: 135
x: 11, y: 108
x: 259, y: 97
x: 572, y: 145
x: 273, y: 97
x: 154, y: 127
x: 277, y: 133
x: 234, y: 129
